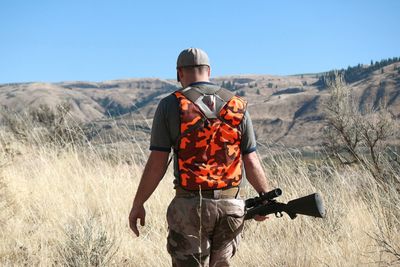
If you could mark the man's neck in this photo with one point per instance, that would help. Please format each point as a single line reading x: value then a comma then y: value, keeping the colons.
x: 200, y: 83
x: 197, y: 82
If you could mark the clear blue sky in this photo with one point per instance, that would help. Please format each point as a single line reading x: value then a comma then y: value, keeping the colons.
x: 103, y: 40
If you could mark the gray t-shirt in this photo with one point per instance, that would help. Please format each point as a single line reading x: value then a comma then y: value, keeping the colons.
x: 166, y: 123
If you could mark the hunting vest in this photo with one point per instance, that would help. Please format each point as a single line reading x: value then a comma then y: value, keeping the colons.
x: 208, y: 149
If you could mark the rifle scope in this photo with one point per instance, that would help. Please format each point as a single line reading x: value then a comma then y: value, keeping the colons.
x: 251, y: 202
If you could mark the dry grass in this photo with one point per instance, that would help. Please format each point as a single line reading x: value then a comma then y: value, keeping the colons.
x: 70, y: 207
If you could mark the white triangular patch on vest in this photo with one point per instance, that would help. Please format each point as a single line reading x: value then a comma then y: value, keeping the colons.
x: 208, y: 105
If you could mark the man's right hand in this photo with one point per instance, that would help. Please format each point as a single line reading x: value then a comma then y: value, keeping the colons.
x: 137, y: 212
x: 260, y: 218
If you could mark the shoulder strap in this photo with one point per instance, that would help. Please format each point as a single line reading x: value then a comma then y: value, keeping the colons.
x: 191, y: 93
x: 224, y: 94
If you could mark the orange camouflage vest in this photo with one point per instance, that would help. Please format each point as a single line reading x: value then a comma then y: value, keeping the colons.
x: 208, y: 150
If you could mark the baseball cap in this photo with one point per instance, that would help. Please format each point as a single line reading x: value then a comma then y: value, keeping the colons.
x: 192, y: 57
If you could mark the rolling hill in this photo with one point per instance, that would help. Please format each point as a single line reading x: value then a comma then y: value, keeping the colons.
x: 285, y: 109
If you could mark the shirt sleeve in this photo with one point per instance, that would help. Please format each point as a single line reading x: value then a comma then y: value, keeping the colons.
x: 160, y: 136
x: 248, y: 143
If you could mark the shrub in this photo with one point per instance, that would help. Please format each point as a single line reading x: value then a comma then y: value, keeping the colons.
x: 87, y: 244
x: 43, y: 125
x: 355, y: 136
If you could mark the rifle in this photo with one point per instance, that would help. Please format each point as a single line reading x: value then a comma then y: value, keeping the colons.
x: 265, y: 204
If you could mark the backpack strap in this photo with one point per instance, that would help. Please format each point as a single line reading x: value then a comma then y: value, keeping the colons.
x: 191, y: 93
x: 224, y: 94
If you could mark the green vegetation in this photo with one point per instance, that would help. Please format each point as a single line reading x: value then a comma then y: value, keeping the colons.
x: 356, y: 73
x: 241, y: 93
x: 231, y: 86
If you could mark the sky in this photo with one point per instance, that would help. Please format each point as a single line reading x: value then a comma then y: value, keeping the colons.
x: 95, y: 40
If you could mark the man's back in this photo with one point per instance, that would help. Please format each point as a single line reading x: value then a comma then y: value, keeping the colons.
x: 166, y: 123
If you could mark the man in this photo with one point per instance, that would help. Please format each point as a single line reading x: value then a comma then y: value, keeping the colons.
x: 211, y: 134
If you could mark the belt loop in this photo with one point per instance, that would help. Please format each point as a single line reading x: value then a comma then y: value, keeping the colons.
x: 217, y: 193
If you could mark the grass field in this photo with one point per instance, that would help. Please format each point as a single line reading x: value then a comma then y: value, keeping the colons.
x: 69, y: 206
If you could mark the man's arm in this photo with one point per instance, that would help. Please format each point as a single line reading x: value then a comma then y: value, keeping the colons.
x: 256, y: 176
x: 254, y: 172
x: 153, y: 173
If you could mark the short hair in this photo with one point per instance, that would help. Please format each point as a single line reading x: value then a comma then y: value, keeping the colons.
x: 199, y: 69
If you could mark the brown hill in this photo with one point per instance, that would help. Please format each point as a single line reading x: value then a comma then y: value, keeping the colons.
x: 284, y: 109
x: 90, y: 101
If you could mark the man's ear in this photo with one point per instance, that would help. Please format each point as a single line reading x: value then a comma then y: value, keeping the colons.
x: 178, y: 74
x: 209, y: 72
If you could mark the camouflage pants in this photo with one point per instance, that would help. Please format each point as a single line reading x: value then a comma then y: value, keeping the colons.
x: 204, y: 232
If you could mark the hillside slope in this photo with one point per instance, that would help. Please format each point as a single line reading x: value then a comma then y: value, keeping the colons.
x: 284, y: 109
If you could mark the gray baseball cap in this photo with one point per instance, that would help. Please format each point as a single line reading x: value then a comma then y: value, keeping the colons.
x: 192, y: 57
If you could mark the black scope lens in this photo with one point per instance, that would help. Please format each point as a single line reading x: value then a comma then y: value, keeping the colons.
x: 272, y: 194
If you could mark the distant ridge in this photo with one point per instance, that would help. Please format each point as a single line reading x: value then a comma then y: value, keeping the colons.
x: 285, y: 109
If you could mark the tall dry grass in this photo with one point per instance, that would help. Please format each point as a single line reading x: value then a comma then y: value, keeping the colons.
x: 69, y: 206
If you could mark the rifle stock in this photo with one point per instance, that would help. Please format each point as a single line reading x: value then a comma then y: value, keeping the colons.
x: 311, y: 205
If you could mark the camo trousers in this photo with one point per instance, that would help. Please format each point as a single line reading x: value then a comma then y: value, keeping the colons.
x: 204, y: 232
